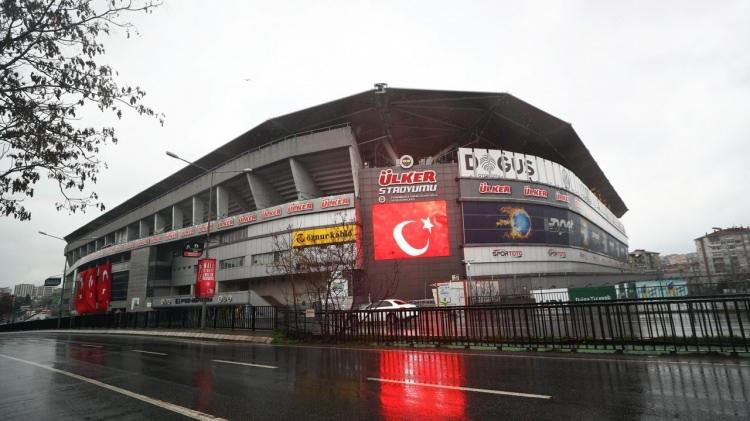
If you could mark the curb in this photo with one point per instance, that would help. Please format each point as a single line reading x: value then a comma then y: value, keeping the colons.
x: 199, y: 335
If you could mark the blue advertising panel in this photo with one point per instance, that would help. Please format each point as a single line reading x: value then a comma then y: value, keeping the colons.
x: 519, y: 223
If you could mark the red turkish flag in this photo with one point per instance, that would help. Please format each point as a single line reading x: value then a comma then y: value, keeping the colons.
x: 89, y: 289
x: 104, y: 287
x: 80, y: 304
x: 410, y: 230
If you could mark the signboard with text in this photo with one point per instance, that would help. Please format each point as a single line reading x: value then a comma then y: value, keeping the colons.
x: 324, y: 236
x: 205, y: 284
x: 192, y: 249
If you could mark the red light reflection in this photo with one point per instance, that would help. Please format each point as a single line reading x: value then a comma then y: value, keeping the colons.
x: 87, y: 354
x: 203, y: 380
x: 398, y: 401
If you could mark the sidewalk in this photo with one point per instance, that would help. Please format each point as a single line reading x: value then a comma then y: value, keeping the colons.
x: 263, y: 337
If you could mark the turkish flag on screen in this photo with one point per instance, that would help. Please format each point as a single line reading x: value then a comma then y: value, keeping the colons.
x: 89, y: 289
x: 104, y: 287
x: 410, y: 230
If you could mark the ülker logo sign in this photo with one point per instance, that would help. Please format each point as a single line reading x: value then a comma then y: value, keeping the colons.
x: 410, y: 230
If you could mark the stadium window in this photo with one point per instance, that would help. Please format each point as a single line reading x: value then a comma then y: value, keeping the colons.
x: 267, y: 259
x: 234, y: 262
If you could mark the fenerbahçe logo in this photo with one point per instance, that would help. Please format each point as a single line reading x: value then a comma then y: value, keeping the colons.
x: 410, y: 230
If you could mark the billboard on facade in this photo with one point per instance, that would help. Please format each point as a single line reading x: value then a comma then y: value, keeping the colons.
x: 410, y: 230
x: 192, y: 248
x: 517, y: 223
x: 324, y: 236
x: 205, y: 284
x: 506, y: 165
x: 660, y: 288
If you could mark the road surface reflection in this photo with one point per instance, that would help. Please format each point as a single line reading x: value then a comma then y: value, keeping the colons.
x: 399, y: 400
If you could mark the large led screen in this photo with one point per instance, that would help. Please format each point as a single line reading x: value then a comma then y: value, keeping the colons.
x: 515, y: 223
x: 410, y: 230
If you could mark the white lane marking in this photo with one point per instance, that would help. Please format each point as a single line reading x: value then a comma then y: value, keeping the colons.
x: 466, y: 389
x: 148, y: 352
x: 156, y: 402
x: 248, y: 364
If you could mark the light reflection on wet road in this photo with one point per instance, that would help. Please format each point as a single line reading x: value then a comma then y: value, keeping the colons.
x: 283, y: 382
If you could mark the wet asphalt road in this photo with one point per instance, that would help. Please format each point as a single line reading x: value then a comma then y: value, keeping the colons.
x: 97, y: 375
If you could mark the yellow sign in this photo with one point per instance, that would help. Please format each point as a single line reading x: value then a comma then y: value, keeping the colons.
x: 323, y: 236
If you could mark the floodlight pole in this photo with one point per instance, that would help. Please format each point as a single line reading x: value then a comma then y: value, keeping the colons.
x: 62, y: 291
x: 204, y: 301
x: 468, y: 276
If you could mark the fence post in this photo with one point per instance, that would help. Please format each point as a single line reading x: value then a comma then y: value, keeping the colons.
x: 252, y: 319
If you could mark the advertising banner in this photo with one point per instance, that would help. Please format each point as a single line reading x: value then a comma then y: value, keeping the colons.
x: 410, y: 230
x: 104, y: 287
x: 663, y: 288
x: 506, y: 165
x: 601, y: 293
x: 52, y: 282
x: 517, y: 223
x: 323, y: 236
x: 192, y: 249
x: 205, y: 284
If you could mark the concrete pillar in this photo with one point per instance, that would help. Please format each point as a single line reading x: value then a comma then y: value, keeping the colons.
x: 159, y: 223
x: 303, y: 181
x: 263, y: 193
x: 142, y: 229
x: 177, y: 216
x: 198, y: 207
x: 222, y: 202
x: 355, y: 160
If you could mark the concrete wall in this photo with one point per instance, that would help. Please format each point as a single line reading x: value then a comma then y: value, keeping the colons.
x: 138, y: 277
x: 302, y: 145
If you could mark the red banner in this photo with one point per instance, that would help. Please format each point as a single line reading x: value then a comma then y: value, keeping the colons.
x: 89, y: 289
x: 410, y: 230
x: 80, y: 304
x: 205, y: 283
x: 104, y: 287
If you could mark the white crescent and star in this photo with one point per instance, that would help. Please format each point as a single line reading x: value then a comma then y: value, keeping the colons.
x: 398, y: 236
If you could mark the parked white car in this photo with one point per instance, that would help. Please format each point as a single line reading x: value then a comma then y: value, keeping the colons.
x: 382, y: 310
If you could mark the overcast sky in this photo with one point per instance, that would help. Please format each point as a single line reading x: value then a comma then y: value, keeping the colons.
x: 659, y: 92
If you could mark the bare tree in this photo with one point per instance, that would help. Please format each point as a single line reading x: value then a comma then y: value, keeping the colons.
x: 320, y: 271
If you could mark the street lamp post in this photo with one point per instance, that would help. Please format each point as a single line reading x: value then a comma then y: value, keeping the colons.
x: 62, y: 291
x: 468, y: 278
x: 204, y: 301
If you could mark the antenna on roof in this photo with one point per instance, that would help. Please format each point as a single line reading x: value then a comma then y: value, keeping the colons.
x: 380, y: 88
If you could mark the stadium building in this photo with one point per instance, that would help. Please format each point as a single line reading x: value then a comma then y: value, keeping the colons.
x: 428, y: 184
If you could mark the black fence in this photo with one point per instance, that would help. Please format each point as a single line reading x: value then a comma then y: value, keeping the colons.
x: 693, y: 325
x: 217, y: 317
x: 619, y: 291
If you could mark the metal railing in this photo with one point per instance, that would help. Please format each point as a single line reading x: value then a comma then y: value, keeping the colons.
x: 218, y: 317
x: 690, y: 290
x: 693, y: 325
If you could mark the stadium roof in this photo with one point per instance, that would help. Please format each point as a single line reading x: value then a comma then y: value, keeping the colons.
x: 417, y: 122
